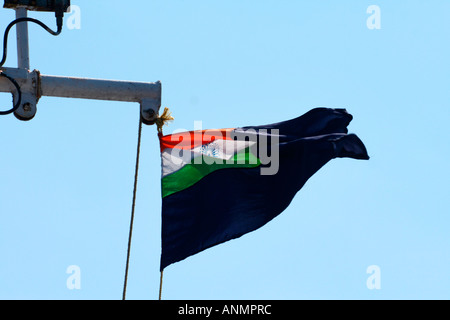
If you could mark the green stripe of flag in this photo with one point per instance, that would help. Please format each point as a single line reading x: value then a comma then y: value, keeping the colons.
x: 193, y: 172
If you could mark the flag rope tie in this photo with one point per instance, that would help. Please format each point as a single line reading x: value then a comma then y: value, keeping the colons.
x: 163, y: 119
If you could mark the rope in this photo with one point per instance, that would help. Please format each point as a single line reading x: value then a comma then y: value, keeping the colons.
x: 132, y: 208
x: 160, y: 284
x: 160, y: 122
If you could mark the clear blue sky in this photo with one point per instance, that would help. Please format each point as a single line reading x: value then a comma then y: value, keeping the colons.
x: 66, y: 177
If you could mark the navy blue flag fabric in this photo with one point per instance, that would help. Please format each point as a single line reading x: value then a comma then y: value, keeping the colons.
x: 205, y: 203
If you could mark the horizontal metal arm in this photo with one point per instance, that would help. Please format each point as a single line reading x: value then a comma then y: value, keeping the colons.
x: 34, y: 85
x: 97, y: 89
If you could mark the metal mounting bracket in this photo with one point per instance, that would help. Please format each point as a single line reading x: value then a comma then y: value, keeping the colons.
x: 33, y: 85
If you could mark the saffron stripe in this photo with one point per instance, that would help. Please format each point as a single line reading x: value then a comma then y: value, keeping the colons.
x: 192, y: 139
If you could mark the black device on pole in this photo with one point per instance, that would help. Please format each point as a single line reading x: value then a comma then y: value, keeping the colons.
x: 39, y: 5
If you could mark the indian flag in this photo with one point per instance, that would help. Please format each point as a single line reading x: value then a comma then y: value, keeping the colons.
x: 188, y: 157
x: 213, y: 186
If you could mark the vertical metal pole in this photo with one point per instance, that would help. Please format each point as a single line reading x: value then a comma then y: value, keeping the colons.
x: 23, y: 51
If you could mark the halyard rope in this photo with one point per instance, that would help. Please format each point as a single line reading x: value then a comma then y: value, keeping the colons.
x: 132, y: 208
x: 160, y: 122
